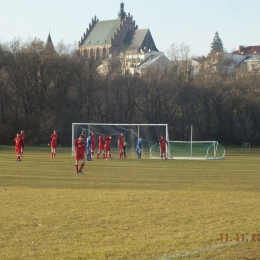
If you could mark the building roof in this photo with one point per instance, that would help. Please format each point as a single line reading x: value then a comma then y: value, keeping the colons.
x: 150, y: 61
x: 135, y: 40
x: 248, y: 50
x: 197, y: 60
x: 102, y: 32
x: 140, y: 39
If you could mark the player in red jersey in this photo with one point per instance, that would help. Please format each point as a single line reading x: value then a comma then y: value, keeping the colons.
x: 79, y: 150
x: 22, y: 136
x: 93, y: 144
x: 18, y: 143
x: 101, y: 145
x: 107, y: 143
x: 54, y: 141
x: 162, y: 143
x: 121, y: 141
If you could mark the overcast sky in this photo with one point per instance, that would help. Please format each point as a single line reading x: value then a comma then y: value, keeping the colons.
x: 193, y: 22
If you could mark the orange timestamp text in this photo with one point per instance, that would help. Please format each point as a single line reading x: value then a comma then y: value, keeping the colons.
x: 240, y: 237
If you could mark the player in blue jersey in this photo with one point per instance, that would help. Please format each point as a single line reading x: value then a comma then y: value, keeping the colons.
x: 139, y: 147
x: 88, y: 145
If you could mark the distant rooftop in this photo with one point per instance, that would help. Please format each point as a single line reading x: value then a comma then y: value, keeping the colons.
x: 248, y: 50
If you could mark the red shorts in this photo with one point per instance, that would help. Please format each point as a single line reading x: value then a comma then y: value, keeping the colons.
x: 18, y: 149
x: 53, y: 146
x: 107, y: 149
x: 100, y: 147
x: 79, y: 156
x: 93, y: 147
x: 162, y: 149
x: 121, y: 147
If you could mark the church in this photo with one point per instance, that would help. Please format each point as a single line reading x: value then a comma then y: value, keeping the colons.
x: 121, y: 39
x: 110, y: 37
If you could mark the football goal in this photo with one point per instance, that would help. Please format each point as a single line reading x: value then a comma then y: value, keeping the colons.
x: 193, y: 150
x: 150, y: 134
x: 196, y: 150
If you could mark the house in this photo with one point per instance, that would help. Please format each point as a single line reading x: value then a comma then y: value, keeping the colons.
x: 253, y: 63
x: 220, y: 62
x: 196, y: 65
x: 249, y: 56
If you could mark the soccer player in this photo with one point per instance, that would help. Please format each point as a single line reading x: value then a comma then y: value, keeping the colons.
x: 18, y: 143
x: 121, y: 140
x: 54, y: 141
x: 162, y: 143
x: 107, y: 143
x: 79, y: 150
x: 101, y: 145
x: 88, y: 144
x: 22, y: 136
x: 93, y: 144
x: 139, y: 147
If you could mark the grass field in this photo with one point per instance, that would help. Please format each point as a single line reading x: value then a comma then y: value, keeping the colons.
x: 131, y: 209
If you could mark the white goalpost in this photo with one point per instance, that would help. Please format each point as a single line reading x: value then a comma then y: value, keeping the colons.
x: 192, y: 150
x: 150, y: 134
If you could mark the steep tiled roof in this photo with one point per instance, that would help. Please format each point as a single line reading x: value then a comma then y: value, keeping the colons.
x: 138, y: 39
x: 102, y: 32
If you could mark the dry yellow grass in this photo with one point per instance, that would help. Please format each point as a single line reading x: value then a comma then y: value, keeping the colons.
x: 131, y: 209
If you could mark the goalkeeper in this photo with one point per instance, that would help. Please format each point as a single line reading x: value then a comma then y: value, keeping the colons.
x: 162, y: 143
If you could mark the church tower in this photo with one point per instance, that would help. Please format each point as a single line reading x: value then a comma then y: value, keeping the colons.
x: 121, y: 13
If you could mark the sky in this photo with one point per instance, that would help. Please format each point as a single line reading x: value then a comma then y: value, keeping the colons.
x: 192, y: 22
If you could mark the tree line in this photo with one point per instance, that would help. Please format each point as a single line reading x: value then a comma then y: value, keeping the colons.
x: 42, y: 90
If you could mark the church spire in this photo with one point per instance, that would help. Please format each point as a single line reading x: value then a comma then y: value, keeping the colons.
x: 121, y: 13
x: 49, y: 44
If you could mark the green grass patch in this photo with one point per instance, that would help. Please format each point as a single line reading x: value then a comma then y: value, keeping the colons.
x: 128, y: 209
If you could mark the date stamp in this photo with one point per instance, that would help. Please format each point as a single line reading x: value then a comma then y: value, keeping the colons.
x: 240, y: 237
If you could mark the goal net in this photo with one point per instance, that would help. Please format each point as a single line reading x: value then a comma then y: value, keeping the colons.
x: 150, y: 134
x: 193, y: 150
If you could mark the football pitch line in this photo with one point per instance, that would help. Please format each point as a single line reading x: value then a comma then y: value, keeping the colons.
x: 203, y: 249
